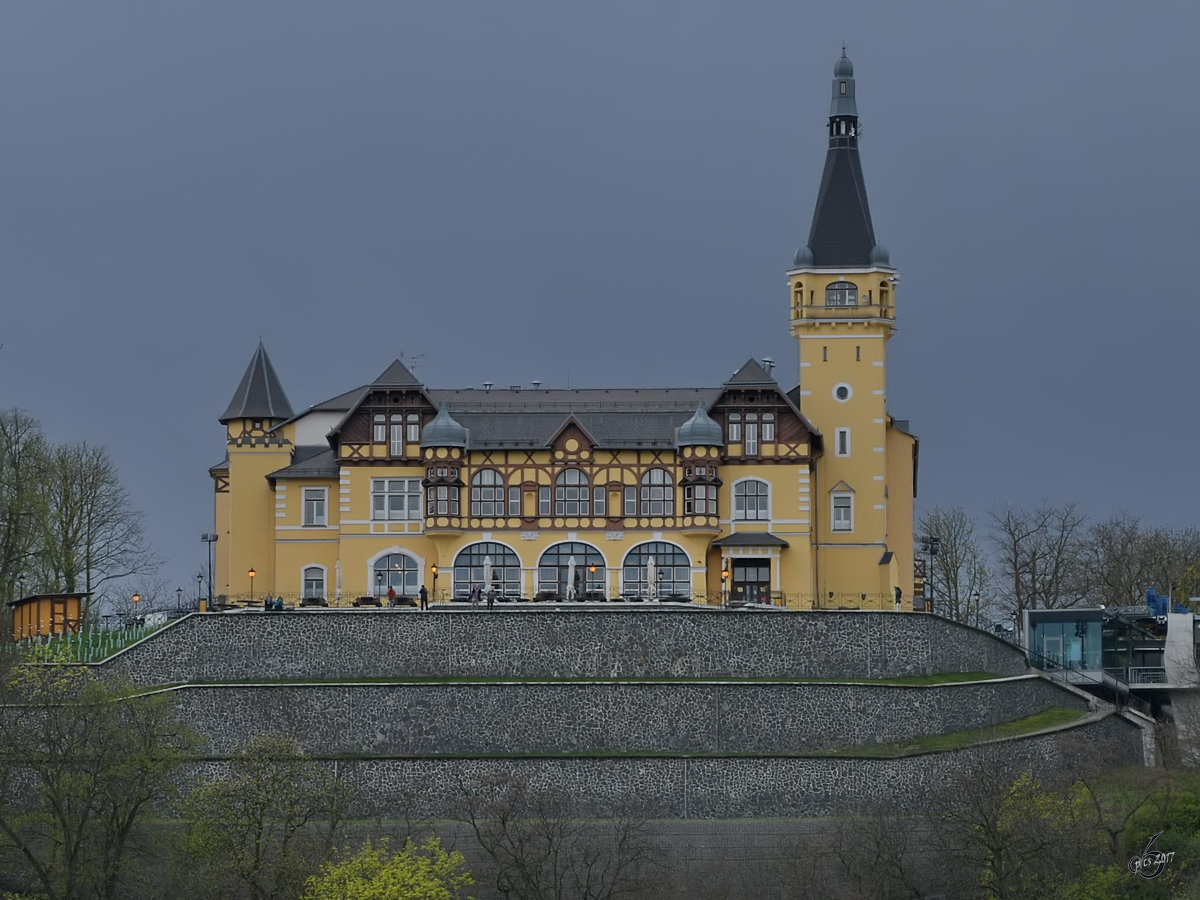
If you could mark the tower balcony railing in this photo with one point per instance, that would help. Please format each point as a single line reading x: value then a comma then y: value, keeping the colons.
x: 858, y: 311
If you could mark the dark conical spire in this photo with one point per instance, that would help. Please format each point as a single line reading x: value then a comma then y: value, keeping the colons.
x: 259, y: 395
x: 842, y: 234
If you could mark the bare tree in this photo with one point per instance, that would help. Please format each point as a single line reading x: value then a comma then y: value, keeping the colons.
x: 81, y: 765
x: 269, y: 824
x: 92, y: 534
x: 1038, y: 556
x: 541, y: 851
x: 958, y: 573
x: 24, y: 454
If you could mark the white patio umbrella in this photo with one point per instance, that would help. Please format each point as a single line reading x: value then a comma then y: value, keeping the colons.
x: 651, y: 579
x: 571, y: 578
x: 487, y: 573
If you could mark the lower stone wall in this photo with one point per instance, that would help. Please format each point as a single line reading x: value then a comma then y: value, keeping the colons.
x: 724, y: 787
x: 539, y: 718
x: 562, y: 641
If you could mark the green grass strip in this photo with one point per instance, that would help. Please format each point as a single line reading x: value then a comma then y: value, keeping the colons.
x: 912, y: 680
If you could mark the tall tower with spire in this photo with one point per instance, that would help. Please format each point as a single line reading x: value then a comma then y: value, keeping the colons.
x: 843, y: 313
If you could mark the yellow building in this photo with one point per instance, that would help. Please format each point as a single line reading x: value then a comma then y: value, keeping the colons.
x: 745, y: 492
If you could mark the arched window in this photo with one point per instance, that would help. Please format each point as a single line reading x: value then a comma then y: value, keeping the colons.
x: 571, y: 494
x: 565, y: 570
x: 314, y: 583
x: 658, y: 493
x: 751, y: 500
x: 487, y: 494
x: 841, y: 293
x: 470, y: 569
x: 656, y: 569
x: 397, y: 571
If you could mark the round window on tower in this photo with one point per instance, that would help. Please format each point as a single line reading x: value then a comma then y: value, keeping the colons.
x: 842, y: 393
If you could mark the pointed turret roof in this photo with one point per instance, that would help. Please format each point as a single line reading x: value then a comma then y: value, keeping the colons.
x: 842, y: 234
x: 259, y: 395
x: 396, y: 375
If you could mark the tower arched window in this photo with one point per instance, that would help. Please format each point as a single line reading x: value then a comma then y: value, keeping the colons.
x: 658, y: 493
x: 487, y: 494
x: 841, y: 293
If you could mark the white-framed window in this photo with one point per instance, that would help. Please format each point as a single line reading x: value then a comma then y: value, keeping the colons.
x: 487, y: 494
x: 658, y: 493
x: 842, y: 392
x: 514, y: 500
x: 396, y: 499
x: 735, y: 428
x: 751, y: 500
x: 379, y: 428
x: 314, y: 583
x: 843, y: 511
x: 750, y: 447
x: 599, y: 501
x: 700, y: 499
x: 442, y: 500
x: 396, y: 444
x: 768, y: 428
x: 571, y: 492
x: 841, y: 293
x: 631, y: 501
x: 841, y: 442
x: 315, y: 504
x: 413, y: 421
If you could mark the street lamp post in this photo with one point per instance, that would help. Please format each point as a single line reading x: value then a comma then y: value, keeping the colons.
x: 252, y: 573
x: 378, y: 585
x: 433, y: 569
x: 199, y: 582
x: 975, y: 601
x: 137, y: 598
x: 211, y: 539
x: 724, y: 578
x: 592, y: 571
x: 178, y: 599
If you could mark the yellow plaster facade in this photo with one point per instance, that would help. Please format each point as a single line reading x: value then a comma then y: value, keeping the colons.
x: 744, y: 493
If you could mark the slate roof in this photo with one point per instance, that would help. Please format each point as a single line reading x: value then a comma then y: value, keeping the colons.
x: 613, y: 418
x: 396, y: 375
x: 309, y: 461
x: 259, y: 395
x: 842, y: 234
x: 750, y: 539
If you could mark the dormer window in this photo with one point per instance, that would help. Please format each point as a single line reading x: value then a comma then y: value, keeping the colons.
x: 841, y: 293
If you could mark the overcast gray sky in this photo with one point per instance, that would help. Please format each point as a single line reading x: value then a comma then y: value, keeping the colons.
x: 604, y: 194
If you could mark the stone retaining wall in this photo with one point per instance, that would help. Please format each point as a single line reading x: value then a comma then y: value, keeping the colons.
x: 432, y: 719
x: 560, y: 641
x: 728, y: 787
